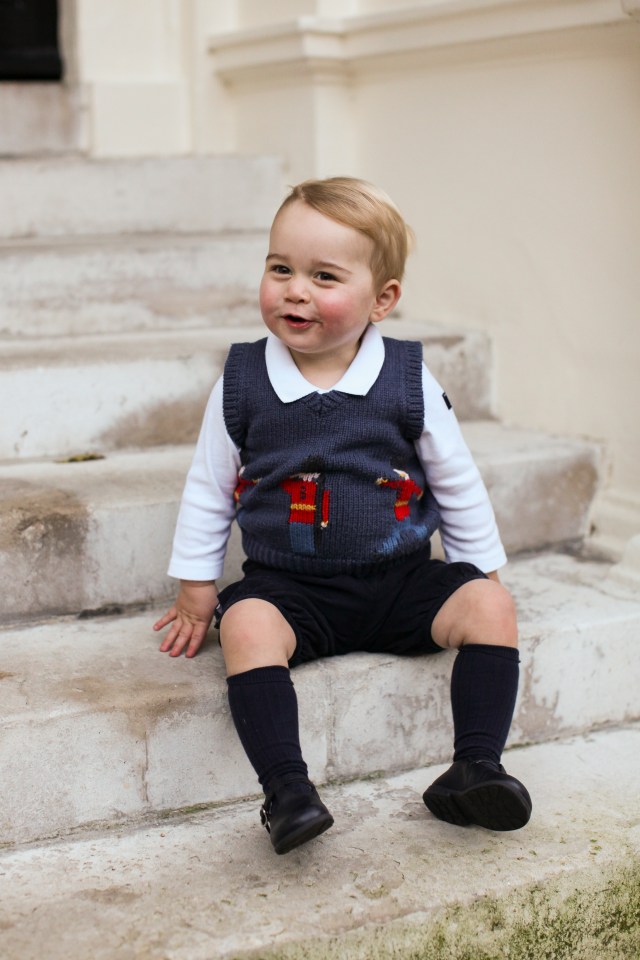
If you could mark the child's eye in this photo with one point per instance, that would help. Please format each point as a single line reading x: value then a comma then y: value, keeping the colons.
x: 325, y: 277
x: 280, y: 269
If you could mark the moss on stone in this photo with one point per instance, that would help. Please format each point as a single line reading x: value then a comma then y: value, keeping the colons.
x: 593, y: 915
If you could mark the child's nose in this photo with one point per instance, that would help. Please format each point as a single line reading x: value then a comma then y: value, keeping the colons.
x: 297, y: 290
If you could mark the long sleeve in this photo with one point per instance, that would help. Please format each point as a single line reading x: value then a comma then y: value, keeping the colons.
x: 468, y: 527
x: 207, y: 507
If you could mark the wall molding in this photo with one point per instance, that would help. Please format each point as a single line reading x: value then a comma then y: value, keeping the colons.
x: 332, y: 48
x: 308, y: 45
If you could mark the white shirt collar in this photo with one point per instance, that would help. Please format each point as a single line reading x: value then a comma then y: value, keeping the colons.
x: 290, y: 385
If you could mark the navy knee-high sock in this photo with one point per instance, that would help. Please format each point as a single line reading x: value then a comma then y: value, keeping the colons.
x: 484, y: 684
x: 264, y: 708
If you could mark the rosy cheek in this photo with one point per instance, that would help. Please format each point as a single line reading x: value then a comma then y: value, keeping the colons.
x: 267, y: 296
x: 334, y: 306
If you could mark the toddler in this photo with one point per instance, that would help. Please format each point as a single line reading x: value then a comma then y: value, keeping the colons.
x: 340, y: 455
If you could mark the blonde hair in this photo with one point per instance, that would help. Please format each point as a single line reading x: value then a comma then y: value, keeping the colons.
x: 358, y: 204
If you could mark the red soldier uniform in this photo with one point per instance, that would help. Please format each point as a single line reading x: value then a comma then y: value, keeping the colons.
x: 303, y: 491
x: 241, y: 486
x: 406, y: 489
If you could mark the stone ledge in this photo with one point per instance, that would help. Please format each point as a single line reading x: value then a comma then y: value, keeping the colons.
x: 80, y: 288
x: 616, y: 519
x: 387, y: 880
x: 143, y: 195
x: 41, y: 119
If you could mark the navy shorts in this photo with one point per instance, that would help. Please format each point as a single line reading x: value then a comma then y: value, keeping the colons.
x: 387, y: 612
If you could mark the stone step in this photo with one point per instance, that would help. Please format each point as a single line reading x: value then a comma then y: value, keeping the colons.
x: 112, y: 520
x: 388, y: 880
x: 75, y: 196
x: 40, y: 118
x: 71, y: 394
x: 130, y: 283
x: 116, y: 730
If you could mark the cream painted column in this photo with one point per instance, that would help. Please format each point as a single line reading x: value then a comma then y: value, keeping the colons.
x: 129, y: 59
x: 291, y: 93
x: 211, y: 111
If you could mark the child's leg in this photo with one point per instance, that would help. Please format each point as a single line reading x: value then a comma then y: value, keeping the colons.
x: 479, y: 620
x: 257, y: 643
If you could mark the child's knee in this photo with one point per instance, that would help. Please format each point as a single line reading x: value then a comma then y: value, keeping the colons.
x: 494, y: 611
x: 253, y: 633
x: 481, y: 611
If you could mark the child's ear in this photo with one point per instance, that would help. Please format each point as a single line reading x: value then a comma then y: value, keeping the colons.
x: 386, y: 300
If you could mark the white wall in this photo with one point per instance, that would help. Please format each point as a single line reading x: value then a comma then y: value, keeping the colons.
x: 518, y: 168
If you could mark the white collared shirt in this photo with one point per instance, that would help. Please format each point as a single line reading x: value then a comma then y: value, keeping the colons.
x: 468, y: 528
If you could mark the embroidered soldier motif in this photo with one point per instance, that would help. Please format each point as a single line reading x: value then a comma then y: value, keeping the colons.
x: 241, y: 486
x: 406, y: 489
x: 304, y: 491
x: 405, y: 530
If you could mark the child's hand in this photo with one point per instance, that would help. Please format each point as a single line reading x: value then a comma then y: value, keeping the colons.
x: 191, y: 616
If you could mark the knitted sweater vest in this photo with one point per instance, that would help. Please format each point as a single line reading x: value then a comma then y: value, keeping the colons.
x: 330, y: 483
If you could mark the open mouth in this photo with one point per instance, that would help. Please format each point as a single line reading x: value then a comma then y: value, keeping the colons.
x: 296, y: 321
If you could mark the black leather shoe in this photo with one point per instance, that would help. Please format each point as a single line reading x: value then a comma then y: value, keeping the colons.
x: 472, y: 791
x: 291, y: 816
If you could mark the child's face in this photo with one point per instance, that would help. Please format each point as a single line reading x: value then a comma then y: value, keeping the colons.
x: 317, y: 294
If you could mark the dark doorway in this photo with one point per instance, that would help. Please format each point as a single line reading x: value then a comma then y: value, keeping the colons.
x: 29, y: 40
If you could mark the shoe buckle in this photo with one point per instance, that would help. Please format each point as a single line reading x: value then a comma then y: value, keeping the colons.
x: 264, y: 818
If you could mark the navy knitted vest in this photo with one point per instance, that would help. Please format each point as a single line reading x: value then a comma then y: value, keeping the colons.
x: 330, y: 483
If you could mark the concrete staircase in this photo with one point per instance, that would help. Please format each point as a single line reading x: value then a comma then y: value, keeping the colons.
x: 123, y: 283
